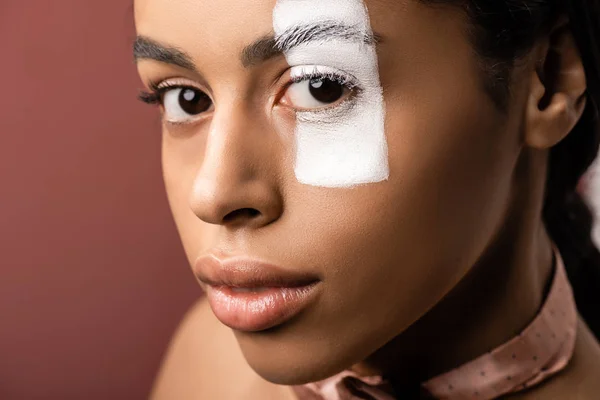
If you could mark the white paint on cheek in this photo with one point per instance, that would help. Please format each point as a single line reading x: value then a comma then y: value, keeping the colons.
x: 343, y: 147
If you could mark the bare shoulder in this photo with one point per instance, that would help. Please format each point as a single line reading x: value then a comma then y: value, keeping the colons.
x: 204, y: 361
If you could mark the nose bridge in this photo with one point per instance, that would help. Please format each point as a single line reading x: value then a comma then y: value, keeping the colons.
x: 236, y: 182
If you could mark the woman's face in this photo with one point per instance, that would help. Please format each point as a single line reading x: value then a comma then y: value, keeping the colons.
x: 386, y: 178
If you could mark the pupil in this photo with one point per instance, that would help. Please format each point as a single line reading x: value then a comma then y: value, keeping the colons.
x: 326, y: 90
x: 193, y: 102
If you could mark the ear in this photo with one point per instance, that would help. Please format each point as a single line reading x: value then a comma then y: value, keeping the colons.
x: 557, y: 95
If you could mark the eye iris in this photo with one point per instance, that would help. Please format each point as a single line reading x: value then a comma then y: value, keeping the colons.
x: 193, y: 102
x: 326, y: 90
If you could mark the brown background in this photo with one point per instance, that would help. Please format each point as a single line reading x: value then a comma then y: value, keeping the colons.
x: 93, y: 279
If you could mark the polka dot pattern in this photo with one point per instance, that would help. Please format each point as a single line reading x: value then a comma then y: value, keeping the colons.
x: 540, y: 351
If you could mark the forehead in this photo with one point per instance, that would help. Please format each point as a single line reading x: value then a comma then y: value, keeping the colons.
x: 293, y: 12
x: 193, y: 22
x: 246, y: 10
x: 209, y: 21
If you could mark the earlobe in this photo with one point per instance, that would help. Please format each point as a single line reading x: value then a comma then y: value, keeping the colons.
x: 557, y: 96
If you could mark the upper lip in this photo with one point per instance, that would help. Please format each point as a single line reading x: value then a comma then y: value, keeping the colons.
x: 246, y: 272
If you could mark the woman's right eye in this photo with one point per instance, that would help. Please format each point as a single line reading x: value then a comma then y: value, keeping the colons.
x: 183, y: 104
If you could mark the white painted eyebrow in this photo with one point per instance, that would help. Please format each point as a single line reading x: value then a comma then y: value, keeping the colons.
x: 268, y: 46
x: 297, y: 35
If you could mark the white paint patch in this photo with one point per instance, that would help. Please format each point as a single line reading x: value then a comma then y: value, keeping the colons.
x: 343, y: 146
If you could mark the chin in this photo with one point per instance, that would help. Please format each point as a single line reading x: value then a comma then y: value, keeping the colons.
x: 296, y: 359
x: 293, y: 371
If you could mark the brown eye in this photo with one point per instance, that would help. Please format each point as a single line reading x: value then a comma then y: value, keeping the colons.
x: 325, y: 90
x: 315, y: 93
x: 181, y: 104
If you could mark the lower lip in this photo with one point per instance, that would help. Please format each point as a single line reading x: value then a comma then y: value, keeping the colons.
x: 257, y: 311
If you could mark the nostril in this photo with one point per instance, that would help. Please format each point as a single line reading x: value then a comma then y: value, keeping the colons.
x: 241, y: 213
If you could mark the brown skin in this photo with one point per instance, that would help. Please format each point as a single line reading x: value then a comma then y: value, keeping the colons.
x: 456, y: 227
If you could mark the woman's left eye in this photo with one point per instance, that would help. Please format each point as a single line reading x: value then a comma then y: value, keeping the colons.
x: 316, y: 90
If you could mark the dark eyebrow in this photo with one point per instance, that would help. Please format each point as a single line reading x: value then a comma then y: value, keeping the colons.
x: 146, y: 48
x: 268, y: 47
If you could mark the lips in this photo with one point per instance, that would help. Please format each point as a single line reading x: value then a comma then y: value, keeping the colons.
x: 250, y: 295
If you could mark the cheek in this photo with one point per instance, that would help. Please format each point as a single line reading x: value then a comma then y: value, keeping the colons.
x: 392, y: 250
x: 181, y: 159
x: 453, y: 160
x: 450, y: 185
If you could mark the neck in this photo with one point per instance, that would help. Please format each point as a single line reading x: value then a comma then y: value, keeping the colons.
x: 497, y: 299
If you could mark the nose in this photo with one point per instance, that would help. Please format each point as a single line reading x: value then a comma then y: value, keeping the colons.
x: 237, y: 182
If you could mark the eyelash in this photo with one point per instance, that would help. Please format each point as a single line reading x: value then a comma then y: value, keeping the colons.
x: 158, y: 90
x: 345, y: 80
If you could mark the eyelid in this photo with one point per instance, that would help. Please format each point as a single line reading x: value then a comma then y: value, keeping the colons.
x: 160, y: 87
x: 174, y: 83
x: 305, y: 72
